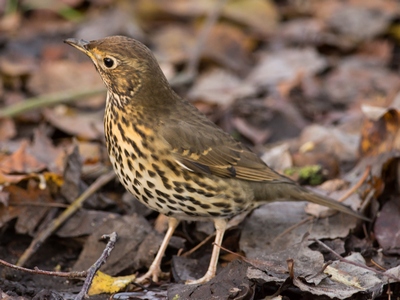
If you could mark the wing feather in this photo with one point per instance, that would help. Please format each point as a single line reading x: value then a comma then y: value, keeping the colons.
x: 201, y: 146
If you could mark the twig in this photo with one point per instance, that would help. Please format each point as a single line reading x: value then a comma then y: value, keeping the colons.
x: 342, y: 259
x: 232, y: 223
x: 193, y: 63
x: 377, y: 265
x: 89, y: 274
x: 254, y: 262
x: 23, y: 203
x: 47, y: 100
x: 71, y: 275
x: 43, y: 235
x: 357, y: 185
x: 389, y: 293
x: 203, y: 242
x: 96, y: 266
x: 320, y: 271
x: 233, y: 253
x: 293, y: 227
x: 290, y: 265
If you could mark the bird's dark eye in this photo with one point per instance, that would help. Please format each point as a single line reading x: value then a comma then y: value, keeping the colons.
x: 108, y: 62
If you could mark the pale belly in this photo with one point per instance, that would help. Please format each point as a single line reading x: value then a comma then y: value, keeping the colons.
x: 164, y: 186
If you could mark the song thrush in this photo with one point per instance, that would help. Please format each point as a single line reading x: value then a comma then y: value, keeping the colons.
x: 171, y: 157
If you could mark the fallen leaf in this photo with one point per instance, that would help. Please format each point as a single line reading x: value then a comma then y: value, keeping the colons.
x: 286, y: 65
x: 260, y: 15
x: 220, y: 87
x: 84, y: 222
x: 21, y: 162
x: 371, y: 82
x: 105, y: 284
x: 119, y: 19
x: 126, y: 252
x: 381, y: 132
x: 65, y: 75
x: 386, y: 227
x: 358, y: 22
x: 342, y: 144
x: 173, y: 43
x: 28, y: 217
x: 86, y: 125
x: 255, y: 135
x: 43, y: 149
x: 228, y: 46
x: 7, y: 129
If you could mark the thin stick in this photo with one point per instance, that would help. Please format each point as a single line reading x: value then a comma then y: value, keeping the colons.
x: 377, y: 265
x: 47, y: 100
x: 56, y: 223
x: 89, y: 274
x: 96, y: 266
x: 58, y: 205
x: 212, y: 18
x: 187, y: 253
x: 354, y: 263
x: 357, y: 185
x: 71, y: 275
x: 320, y: 271
x: 193, y: 63
x: 293, y: 227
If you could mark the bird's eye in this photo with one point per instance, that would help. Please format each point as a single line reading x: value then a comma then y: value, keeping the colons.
x: 108, y: 62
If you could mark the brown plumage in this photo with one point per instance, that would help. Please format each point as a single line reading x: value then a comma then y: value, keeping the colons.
x: 171, y: 157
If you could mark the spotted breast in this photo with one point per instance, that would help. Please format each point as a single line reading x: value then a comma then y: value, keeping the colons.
x: 146, y: 169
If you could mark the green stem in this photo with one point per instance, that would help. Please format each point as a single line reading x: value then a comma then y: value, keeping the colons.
x: 47, y: 100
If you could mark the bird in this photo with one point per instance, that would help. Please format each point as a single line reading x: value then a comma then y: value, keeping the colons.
x: 172, y: 158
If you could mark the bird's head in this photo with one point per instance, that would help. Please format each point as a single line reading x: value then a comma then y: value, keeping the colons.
x: 128, y: 68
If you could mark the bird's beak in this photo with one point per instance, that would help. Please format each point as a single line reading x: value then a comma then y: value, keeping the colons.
x: 78, y: 44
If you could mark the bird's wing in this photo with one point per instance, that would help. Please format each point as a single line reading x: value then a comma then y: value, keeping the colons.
x: 200, y: 146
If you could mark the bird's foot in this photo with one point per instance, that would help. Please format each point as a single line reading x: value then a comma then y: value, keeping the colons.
x: 209, y: 275
x: 153, y: 274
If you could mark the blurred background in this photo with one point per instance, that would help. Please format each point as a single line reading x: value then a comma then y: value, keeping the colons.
x: 312, y: 86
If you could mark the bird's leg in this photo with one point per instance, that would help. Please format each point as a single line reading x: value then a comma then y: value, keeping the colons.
x: 155, y: 271
x: 220, y: 227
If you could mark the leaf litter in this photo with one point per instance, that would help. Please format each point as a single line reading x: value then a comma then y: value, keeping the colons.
x: 312, y: 88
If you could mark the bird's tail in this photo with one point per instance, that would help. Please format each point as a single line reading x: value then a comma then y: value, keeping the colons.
x: 290, y: 191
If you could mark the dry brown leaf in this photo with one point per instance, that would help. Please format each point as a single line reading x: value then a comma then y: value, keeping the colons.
x: 21, y: 162
x: 72, y: 121
x: 278, y: 157
x: 260, y: 15
x: 255, y: 135
x: 359, y: 23
x: 361, y: 80
x: 132, y: 250
x: 119, y: 19
x: 381, y: 132
x: 220, y: 87
x: 286, y: 65
x: 182, y: 8
x: 42, y: 149
x: 7, y: 179
x: 387, y: 226
x: 4, y: 198
x: 229, y: 46
x: 62, y: 75
x: 90, y: 151
x: 341, y: 143
x: 173, y: 43
x: 7, y: 129
x: 20, y: 200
